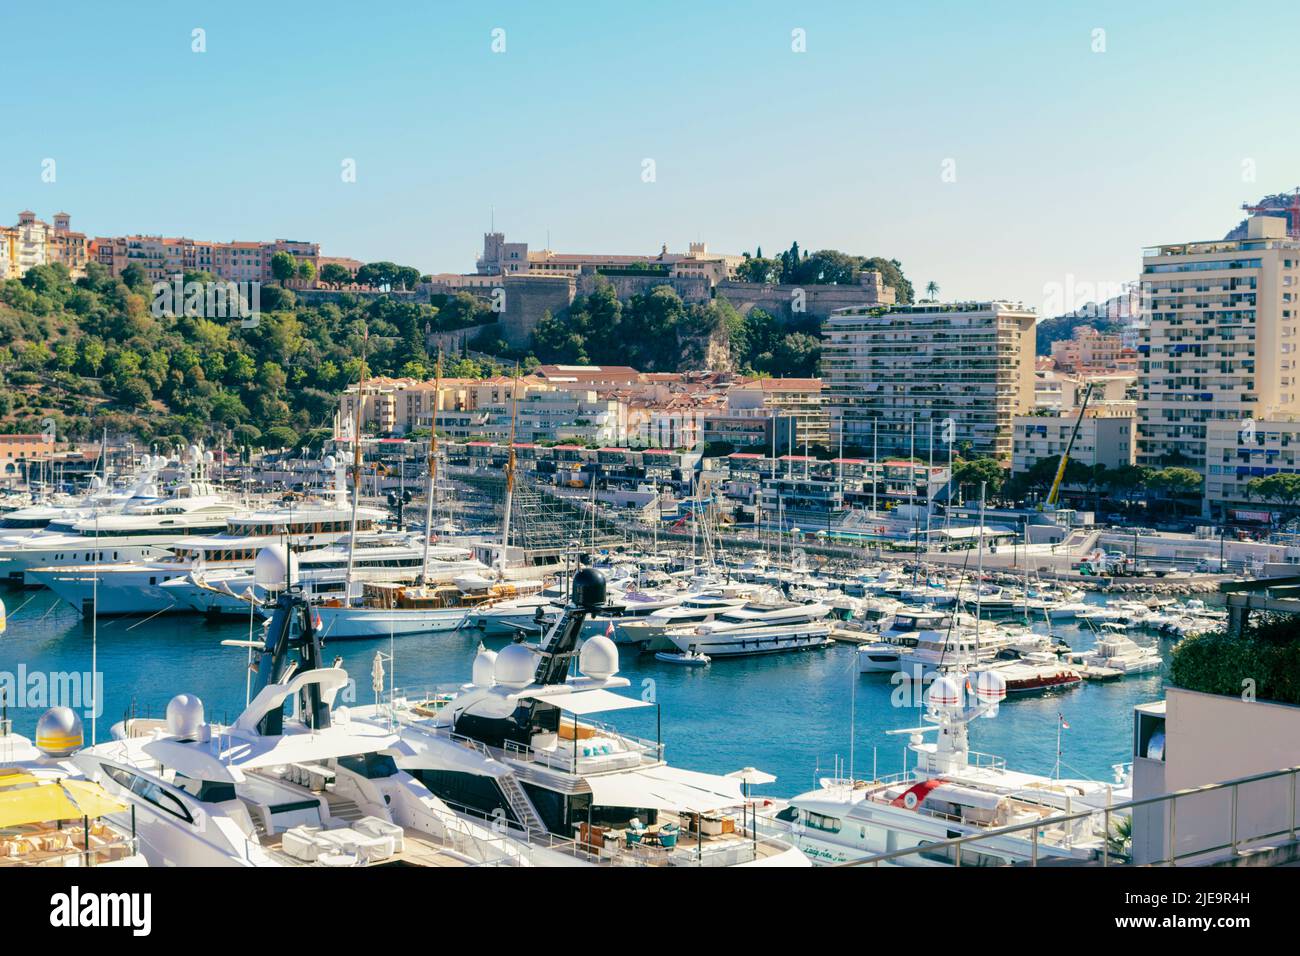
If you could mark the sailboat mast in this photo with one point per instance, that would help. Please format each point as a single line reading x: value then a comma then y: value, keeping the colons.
x: 433, y: 469
x: 356, y: 469
x: 510, y: 476
x: 979, y: 574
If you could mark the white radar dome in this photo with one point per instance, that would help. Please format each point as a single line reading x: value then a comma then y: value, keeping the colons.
x: 598, y: 657
x: 990, y: 687
x: 515, y: 665
x: 185, y: 716
x: 271, y: 569
x: 58, y: 732
x: 944, y: 694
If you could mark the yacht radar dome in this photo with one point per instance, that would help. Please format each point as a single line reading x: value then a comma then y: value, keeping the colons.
x: 598, y: 657
x: 990, y: 688
x: 485, y: 663
x: 58, y: 732
x: 185, y: 716
x: 514, y: 666
x: 589, y: 588
x: 328, y: 463
x: 944, y: 694
x: 271, y: 568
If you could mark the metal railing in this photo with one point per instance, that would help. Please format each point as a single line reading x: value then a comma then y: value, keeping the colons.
x: 1109, y: 850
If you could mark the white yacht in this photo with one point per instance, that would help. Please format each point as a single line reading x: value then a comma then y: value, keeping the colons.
x: 951, y: 791
x: 757, y: 627
x: 52, y: 815
x: 144, y: 529
x: 519, y: 746
x: 138, y: 587
x: 908, y: 625
x: 650, y: 633
x: 310, y: 787
x: 1117, y: 652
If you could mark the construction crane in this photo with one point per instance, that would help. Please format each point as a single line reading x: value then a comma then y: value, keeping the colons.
x: 1069, y: 445
x: 1292, y: 211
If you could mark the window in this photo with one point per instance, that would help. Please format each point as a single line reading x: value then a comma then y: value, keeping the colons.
x: 149, y: 792
x: 818, y: 821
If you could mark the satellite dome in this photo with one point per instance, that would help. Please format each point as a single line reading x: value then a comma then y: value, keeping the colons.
x: 194, y: 453
x: 598, y: 657
x: 271, y: 569
x: 944, y: 694
x: 58, y: 732
x: 329, y: 463
x: 209, y: 457
x: 589, y: 588
x: 185, y: 716
x: 514, y: 666
x: 990, y: 687
x: 485, y: 663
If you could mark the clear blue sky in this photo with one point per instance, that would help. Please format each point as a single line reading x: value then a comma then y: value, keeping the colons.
x: 1067, y: 161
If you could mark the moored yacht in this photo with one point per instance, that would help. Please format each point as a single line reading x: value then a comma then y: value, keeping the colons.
x: 519, y: 745
x: 757, y: 627
x: 951, y: 791
x: 274, y: 789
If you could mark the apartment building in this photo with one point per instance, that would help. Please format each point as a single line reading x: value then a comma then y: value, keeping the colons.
x: 1090, y: 350
x: 892, y: 375
x: 1236, y: 453
x: 25, y: 245
x: 1106, y: 436
x: 799, y: 400
x: 1220, y: 345
x: 161, y: 257
x: 17, y: 451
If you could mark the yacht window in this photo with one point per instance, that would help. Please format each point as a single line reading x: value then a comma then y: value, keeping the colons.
x: 370, y: 766
x: 150, y: 792
x: 819, y: 821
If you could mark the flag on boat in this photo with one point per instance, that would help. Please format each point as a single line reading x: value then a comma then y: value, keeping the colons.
x: 316, y: 621
x: 609, y: 630
x: 1065, y: 724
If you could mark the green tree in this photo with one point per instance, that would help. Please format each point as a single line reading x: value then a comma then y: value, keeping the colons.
x: 284, y: 267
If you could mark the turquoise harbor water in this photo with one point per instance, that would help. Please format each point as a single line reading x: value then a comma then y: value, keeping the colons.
x: 785, y: 714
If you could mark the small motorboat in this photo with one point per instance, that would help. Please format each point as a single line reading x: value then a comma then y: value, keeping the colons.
x: 688, y: 658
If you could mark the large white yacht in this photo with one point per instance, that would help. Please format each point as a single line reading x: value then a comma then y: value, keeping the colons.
x: 144, y: 528
x: 309, y: 787
x: 650, y: 633
x: 757, y: 627
x: 322, y: 574
x: 136, y: 587
x: 519, y: 746
x: 951, y: 791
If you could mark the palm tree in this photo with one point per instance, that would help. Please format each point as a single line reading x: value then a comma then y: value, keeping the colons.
x: 932, y: 290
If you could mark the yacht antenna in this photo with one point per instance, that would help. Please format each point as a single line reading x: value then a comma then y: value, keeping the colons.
x: 433, y: 468
x: 356, y: 466
x: 510, y: 475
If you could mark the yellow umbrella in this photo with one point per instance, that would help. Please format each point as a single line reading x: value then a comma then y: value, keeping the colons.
x: 10, y: 777
x: 65, y: 800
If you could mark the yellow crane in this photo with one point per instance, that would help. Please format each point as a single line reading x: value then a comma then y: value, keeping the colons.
x: 1065, y: 455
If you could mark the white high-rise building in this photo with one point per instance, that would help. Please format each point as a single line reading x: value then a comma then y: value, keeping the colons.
x: 1220, y: 343
x: 891, y: 375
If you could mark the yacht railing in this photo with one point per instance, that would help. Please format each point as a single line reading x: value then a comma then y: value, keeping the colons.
x: 1159, y: 814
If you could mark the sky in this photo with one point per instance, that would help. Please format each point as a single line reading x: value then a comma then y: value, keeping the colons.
x: 1024, y: 151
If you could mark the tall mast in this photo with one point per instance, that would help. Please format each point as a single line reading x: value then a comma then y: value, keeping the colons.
x: 433, y: 468
x: 510, y: 475
x: 356, y: 467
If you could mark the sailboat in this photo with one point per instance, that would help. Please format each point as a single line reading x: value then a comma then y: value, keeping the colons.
x: 391, y: 609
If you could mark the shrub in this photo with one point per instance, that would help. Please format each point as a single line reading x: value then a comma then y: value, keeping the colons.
x: 1268, y: 653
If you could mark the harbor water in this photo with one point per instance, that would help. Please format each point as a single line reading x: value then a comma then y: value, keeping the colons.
x: 787, y: 714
